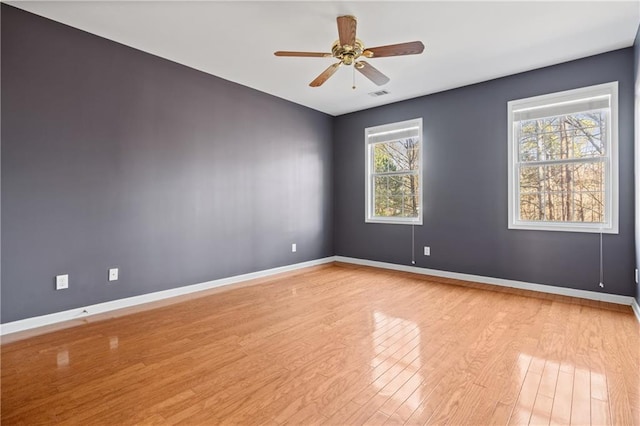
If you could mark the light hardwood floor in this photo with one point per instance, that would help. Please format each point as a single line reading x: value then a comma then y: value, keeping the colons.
x: 335, y: 345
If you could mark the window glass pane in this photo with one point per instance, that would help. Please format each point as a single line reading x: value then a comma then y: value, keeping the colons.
x: 411, y: 205
x: 410, y: 184
x: 400, y: 155
x: 395, y: 196
x: 382, y: 161
x: 531, y: 207
x: 381, y: 184
x: 571, y: 192
x: 580, y: 135
x: 589, y: 206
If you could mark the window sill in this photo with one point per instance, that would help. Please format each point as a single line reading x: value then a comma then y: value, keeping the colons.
x: 394, y: 221
x: 563, y: 227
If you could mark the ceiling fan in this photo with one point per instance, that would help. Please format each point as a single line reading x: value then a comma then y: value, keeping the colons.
x: 348, y: 49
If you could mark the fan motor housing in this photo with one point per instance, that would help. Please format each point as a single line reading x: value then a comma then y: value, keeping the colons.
x: 347, y: 54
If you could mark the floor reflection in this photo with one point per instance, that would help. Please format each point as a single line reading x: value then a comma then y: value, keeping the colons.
x: 392, y: 336
x: 560, y: 393
x: 63, y: 358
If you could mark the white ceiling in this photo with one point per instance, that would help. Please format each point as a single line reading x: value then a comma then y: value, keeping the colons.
x: 466, y: 42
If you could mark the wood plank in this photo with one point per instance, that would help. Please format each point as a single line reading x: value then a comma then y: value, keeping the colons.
x: 581, y: 402
x: 541, y: 414
x: 526, y: 399
x: 561, y: 413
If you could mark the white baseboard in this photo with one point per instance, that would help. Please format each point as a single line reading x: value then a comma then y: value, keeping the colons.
x: 542, y: 288
x: 636, y: 308
x: 85, y: 311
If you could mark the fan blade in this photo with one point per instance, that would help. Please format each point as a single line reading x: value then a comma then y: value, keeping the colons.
x: 347, y: 30
x: 325, y: 75
x: 410, y: 48
x: 371, y: 73
x: 303, y: 54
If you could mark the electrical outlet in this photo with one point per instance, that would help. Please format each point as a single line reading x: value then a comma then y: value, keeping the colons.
x: 637, y: 276
x: 113, y: 274
x: 294, y: 248
x: 62, y: 282
x: 427, y: 251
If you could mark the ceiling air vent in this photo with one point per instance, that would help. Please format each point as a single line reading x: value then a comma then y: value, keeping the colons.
x: 378, y: 93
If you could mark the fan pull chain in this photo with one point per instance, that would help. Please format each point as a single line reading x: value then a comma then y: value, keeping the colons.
x: 354, y: 77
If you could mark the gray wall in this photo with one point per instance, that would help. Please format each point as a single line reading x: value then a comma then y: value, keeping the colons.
x: 636, y: 69
x: 113, y: 157
x: 465, y: 185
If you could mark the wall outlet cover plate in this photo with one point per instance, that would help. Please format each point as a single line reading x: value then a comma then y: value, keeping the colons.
x: 113, y: 274
x: 62, y: 282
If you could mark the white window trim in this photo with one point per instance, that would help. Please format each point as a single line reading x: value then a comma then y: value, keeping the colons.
x: 611, y: 173
x: 369, y: 217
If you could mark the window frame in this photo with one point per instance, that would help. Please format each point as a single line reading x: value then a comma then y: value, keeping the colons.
x: 369, y: 174
x: 610, y: 226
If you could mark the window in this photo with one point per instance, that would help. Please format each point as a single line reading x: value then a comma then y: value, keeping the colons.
x: 563, y: 161
x: 394, y: 173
